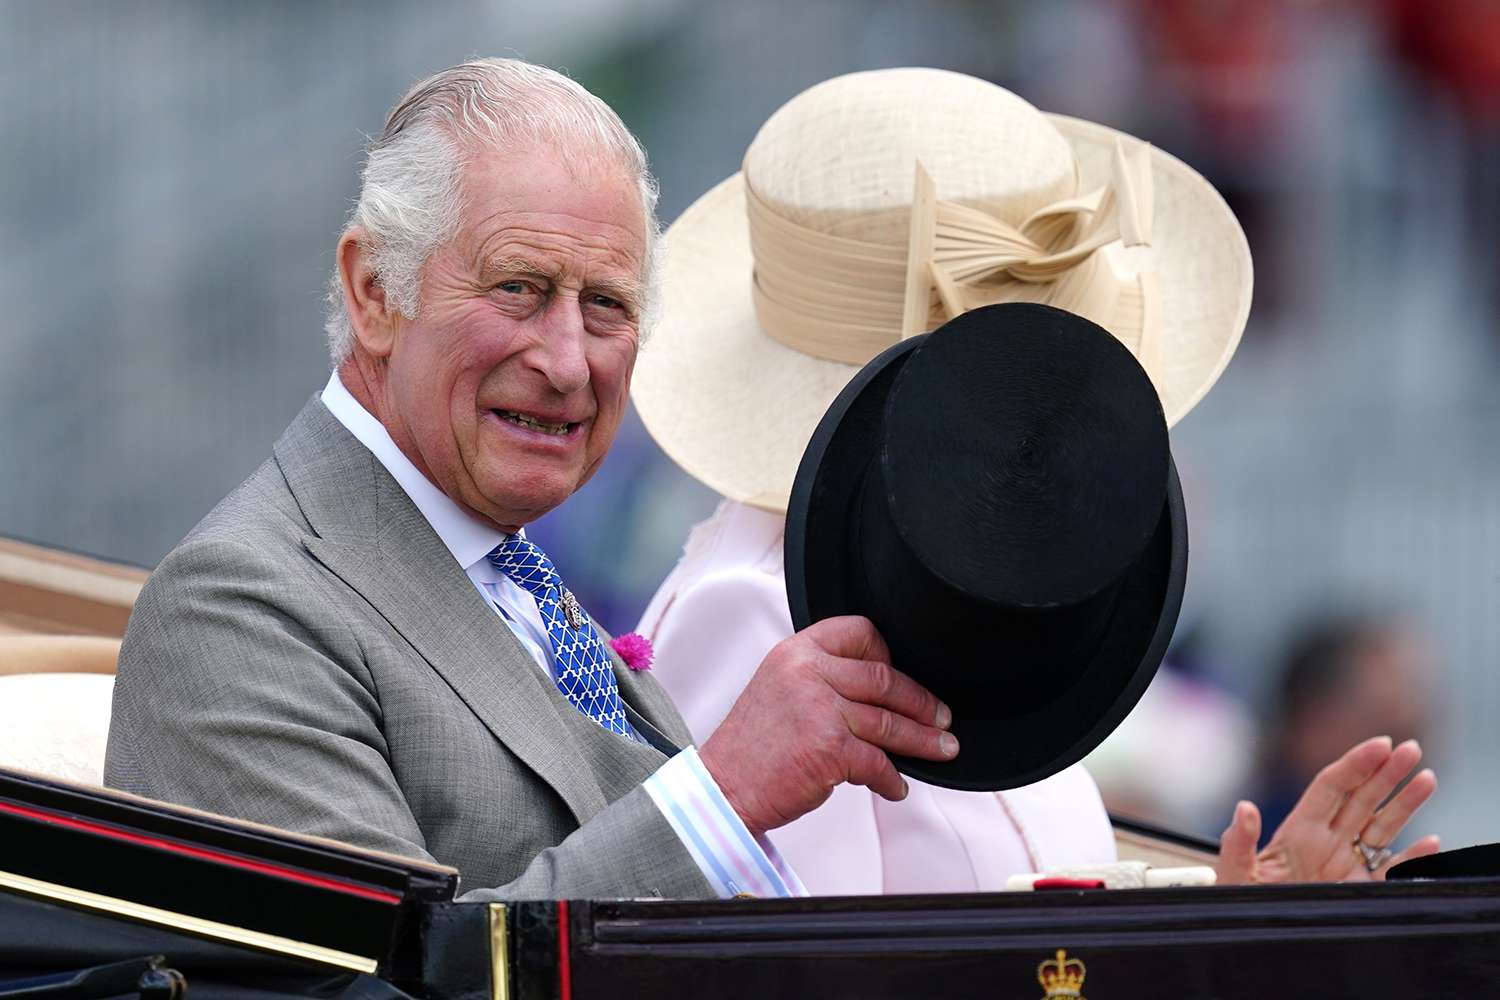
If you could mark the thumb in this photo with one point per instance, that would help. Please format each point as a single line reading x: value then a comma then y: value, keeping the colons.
x: 1237, y: 845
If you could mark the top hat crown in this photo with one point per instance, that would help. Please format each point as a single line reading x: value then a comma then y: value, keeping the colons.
x: 998, y: 497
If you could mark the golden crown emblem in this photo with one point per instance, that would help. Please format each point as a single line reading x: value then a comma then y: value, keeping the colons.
x: 1061, y: 977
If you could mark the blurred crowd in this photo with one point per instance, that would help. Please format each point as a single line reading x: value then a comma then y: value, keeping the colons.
x: 176, y: 177
x: 1183, y: 757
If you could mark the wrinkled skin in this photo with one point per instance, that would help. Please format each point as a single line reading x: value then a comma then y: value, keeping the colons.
x: 824, y: 707
x: 1315, y: 842
x: 533, y: 309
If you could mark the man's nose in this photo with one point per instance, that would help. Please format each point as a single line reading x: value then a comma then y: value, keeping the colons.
x: 562, y: 356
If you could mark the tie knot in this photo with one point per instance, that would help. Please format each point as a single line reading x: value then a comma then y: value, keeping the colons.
x: 525, y: 563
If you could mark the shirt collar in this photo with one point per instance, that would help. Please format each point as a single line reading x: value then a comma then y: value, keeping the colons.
x: 467, y: 537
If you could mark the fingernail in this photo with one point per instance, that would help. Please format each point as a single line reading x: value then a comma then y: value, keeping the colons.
x: 948, y: 744
x: 944, y: 716
x: 905, y: 788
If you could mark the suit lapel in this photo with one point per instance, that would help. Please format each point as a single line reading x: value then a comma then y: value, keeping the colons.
x: 372, y: 537
x: 658, y: 740
x: 619, y: 763
x: 650, y: 710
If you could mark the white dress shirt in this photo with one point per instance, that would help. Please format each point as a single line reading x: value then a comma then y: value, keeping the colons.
x: 729, y: 857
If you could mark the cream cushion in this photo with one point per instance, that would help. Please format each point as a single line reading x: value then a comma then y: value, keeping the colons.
x: 56, y: 724
x: 55, y: 693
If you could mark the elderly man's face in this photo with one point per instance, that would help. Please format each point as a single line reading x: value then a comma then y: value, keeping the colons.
x: 510, y: 384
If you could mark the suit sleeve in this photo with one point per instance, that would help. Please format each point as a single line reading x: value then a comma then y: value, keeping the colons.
x: 242, y: 694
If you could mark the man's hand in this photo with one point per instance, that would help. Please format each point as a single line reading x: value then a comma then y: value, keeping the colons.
x: 823, y: 708
x: 1315, y: 843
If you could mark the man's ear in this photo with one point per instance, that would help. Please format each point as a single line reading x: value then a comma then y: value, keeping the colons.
x: 371, y: 314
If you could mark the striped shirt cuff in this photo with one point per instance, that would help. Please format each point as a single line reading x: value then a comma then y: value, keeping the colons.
x: 734, y: 862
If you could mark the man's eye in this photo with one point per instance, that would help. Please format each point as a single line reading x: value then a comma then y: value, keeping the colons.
x: 513, y: 287
x: 606, y: 302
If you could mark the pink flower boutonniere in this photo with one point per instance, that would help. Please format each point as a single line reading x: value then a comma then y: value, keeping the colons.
x: 635, y: 649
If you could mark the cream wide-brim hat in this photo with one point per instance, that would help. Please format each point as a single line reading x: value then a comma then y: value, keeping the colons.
x: 735, y: 407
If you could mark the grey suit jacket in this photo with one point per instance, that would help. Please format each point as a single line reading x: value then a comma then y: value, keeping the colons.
x: 312, y: 657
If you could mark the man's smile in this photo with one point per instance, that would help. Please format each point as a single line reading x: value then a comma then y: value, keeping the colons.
x: 541, y: 428
x: 557, y: 428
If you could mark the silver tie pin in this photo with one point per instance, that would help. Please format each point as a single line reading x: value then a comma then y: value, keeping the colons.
x: 571, y: 611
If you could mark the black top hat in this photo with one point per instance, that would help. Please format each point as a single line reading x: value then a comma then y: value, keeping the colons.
x: 999, y: 498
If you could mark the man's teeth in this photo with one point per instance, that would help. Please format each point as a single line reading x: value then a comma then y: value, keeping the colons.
x: 534, y: 424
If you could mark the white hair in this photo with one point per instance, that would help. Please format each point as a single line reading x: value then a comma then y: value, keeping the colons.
x: 411, y: 192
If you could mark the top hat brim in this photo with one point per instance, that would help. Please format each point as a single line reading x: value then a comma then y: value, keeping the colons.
x: 999, y: 748
x: 734, y: 408
x: 1478, y: 861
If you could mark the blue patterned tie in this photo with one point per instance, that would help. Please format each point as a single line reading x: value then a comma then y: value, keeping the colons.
x: 580, y: 660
